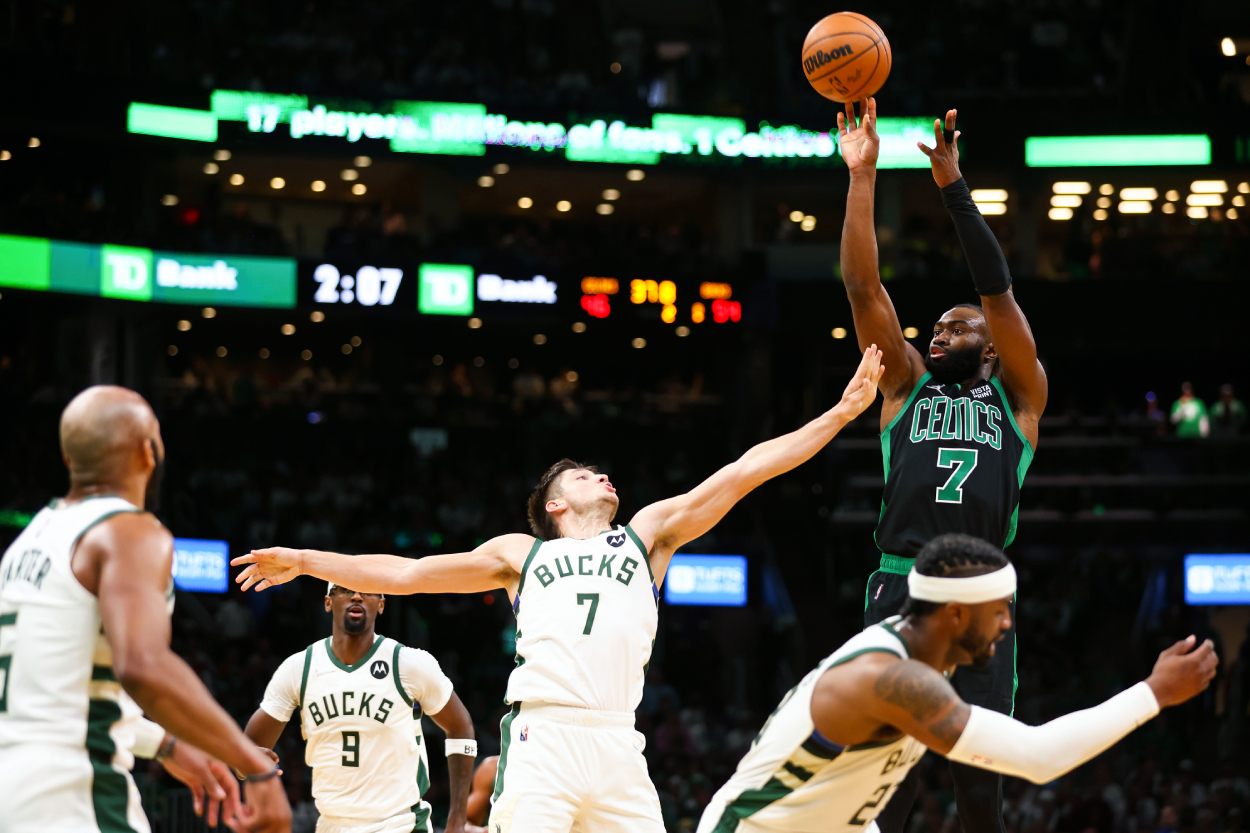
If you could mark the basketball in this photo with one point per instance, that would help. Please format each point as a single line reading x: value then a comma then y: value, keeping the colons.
x: 846, y: 57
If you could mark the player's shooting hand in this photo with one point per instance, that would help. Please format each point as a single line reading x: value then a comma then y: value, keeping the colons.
x: 1182, y: 672
x: 862, y: 390
x: 268, y: 567
x: 267, y: 810
x: 944, y: 155
x: 860, y: 144
x: 208, y: 779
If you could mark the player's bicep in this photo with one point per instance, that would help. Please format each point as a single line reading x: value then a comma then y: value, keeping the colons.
x: 919, y: 701
x: 135, y: 555
x: 264, y: 729
x: 1017, y: 350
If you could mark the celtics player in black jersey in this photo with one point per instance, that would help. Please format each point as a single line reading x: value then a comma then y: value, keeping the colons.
x: 958, y: 424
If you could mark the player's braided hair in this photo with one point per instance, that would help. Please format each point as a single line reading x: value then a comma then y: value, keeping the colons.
x: 953, y: 555
x: 541, y: 522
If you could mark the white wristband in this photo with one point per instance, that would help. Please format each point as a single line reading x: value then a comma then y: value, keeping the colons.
x: 461, y: 747
x: 148, y: 737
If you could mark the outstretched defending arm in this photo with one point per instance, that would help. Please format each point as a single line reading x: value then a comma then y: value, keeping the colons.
x: 666, y: 525
x: 1009, y: 329
x: 495, y: 564
x: 876, y: 322
x: 919, y: 701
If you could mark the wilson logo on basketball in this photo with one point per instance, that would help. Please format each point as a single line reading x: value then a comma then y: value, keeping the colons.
x: 819, y: 58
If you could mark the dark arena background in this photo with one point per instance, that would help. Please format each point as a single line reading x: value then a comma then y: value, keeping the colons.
x: 401, y: 257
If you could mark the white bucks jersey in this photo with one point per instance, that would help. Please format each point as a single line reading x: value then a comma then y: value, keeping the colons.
x: 586, y: 622
x: 795, y: 780
x: 364, y: 741
x: 57, y: 686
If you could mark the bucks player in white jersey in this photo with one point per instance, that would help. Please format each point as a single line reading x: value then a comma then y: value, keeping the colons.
x: 85, y: 596
x: 839, y: 744
x: 585, y: 598
x: 355, y: 695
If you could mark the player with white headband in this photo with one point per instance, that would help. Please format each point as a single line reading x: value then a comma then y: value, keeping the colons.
x: 839, y: 744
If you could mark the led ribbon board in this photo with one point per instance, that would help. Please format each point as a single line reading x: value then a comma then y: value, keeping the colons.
x: 139, y: 274
x: 711, y: 580
x: 467, y: 129
x: 1116, y: 151
x: 1217, y: 579
x: 201, y: 566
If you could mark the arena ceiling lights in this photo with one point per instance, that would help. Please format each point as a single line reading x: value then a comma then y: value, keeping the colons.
x: 465, y: 129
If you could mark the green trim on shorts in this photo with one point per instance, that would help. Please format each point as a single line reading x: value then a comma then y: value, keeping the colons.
x: 422, y: 811
x: 505, y: 738
x: 110, y: 794
x: 748, y: 803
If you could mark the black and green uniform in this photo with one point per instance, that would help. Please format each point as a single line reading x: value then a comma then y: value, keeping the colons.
x: 954, y: 462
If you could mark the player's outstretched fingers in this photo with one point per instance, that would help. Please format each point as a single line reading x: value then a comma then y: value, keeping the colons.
x: 851, y: 124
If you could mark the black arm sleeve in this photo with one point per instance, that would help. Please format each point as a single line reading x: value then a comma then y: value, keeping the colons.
x: 985, y: 257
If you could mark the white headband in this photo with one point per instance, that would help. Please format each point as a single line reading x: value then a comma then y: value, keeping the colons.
x: 331, y: 585
x: 971, y: 590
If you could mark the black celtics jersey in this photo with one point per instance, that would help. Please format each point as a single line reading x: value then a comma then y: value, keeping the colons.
x: 954, y: 462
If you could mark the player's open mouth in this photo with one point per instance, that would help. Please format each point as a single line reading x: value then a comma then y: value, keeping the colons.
x: 355, y: 611
x: 936, y: 352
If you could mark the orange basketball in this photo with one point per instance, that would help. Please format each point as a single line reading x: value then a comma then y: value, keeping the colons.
x: 846, y: 57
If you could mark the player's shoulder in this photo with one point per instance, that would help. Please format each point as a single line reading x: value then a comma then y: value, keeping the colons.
x: 131, y: 530
x: 417, y: 658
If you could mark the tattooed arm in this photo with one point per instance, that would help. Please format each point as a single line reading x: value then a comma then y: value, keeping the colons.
x: 910, y: 697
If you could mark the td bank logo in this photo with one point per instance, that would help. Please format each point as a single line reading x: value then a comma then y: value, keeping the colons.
x: 445, y: 289
x: 126, y: 272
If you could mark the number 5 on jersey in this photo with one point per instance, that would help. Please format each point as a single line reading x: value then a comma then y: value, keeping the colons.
x: 963, y: 460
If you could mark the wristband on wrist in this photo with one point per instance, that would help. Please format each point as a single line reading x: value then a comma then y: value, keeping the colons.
x: 166, y: 749
x: 461, y: 747
x: 258, y: 777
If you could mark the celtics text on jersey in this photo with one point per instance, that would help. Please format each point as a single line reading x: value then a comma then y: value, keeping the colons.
x: 954, y: 462
x: 795, y: 780
x: 364, y: 740
x: 587, y: 615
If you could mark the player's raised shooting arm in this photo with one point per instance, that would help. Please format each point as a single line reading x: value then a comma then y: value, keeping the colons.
x: 876, y: 322
x: 129, y: 558
x: 495, y: 564
x: 1009, y: 329
x: 666, y: 525
x: 455, y: 721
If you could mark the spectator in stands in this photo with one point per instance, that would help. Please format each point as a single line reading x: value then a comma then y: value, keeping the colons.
x: 1228, y: 414
x: 1189, y: 414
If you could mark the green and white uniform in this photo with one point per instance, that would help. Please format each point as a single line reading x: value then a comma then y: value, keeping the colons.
x: 795, y: 780
x: 66, y: 726
x: 586, y: 623
x: 364, y: 742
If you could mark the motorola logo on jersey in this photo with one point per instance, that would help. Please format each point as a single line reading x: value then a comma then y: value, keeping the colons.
x: 379, y: 669
x: 616, y: 540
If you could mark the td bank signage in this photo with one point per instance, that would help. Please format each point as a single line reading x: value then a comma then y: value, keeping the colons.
x: 224, y: 280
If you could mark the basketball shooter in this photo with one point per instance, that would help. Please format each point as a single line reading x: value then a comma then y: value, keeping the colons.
x: 85, y: 600
x: 958, y: 425
x: 839, y: 744
x: 585, y: 597
x: 355, y: 694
